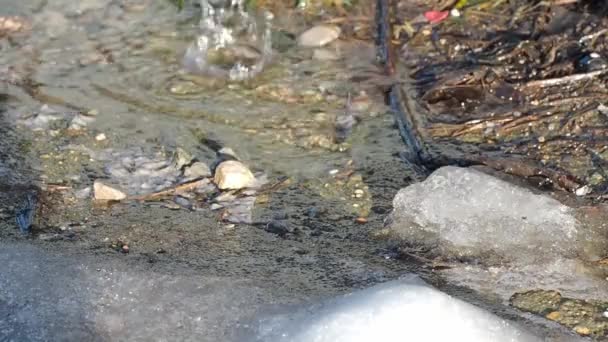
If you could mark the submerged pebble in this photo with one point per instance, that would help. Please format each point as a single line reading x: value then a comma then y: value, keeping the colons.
x: 80, y: 121
x: 225, y: 197
x: 361, y: 103
x: 197, y: 170
x: 107, y: 193
x: 344, y: 126
x: 43, y: 118
x: 183, y: 202
x: 83, y: 193
x: 171, y: 205
x: 181, y: 158
x: 280, y: 228
x: 319, y: 36
x: 325, y: 55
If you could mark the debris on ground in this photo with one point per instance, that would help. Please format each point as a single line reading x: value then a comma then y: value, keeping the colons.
x: 583, y: 317
x: 514, y: 82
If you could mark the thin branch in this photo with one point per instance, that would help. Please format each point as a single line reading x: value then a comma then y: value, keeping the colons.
x: 178, y: 189
x: 593, y: 35
x: 551, y: 82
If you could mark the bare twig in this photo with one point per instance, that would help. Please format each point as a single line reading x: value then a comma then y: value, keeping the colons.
x: 525, y: 120
x: 504, y: 124
x: 57, y: 187
x: 564, y: 2
x: 346, y: 19
x: 594, y: 35
x: 181, y: 188
x: 551, y: 82
x: 572, y: 100
x: 525, y: 169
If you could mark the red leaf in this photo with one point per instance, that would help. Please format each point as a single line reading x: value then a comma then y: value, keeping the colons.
x: 435, y: 17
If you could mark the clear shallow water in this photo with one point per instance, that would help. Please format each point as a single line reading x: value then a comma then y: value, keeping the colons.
x: 119, y: 63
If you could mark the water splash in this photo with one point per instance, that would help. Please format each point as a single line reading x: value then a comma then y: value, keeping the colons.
x: 233, y: 43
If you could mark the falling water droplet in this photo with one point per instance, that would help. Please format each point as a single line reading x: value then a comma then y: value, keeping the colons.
x: 232, y: 44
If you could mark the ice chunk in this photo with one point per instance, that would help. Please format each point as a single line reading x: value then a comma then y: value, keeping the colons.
x: 400, y: 310
x: 572, y: 278
x: 464, y: 212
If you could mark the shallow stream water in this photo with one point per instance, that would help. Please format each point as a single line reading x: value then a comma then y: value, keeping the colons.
x: 96, y: 79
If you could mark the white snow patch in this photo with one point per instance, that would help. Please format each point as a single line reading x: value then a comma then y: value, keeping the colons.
x: 402, y: 310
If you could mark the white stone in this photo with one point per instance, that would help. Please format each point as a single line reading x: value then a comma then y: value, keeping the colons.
x: 319, y: 35
x: 107, y: 193
x: 100, y: 137
x: 325, y: 55
x: 232, y: 174
x: 583, y: 190
x: 464, y: 212
x: 216, y: 206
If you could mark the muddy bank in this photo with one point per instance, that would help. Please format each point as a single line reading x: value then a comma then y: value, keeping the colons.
x: 516, y: 86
